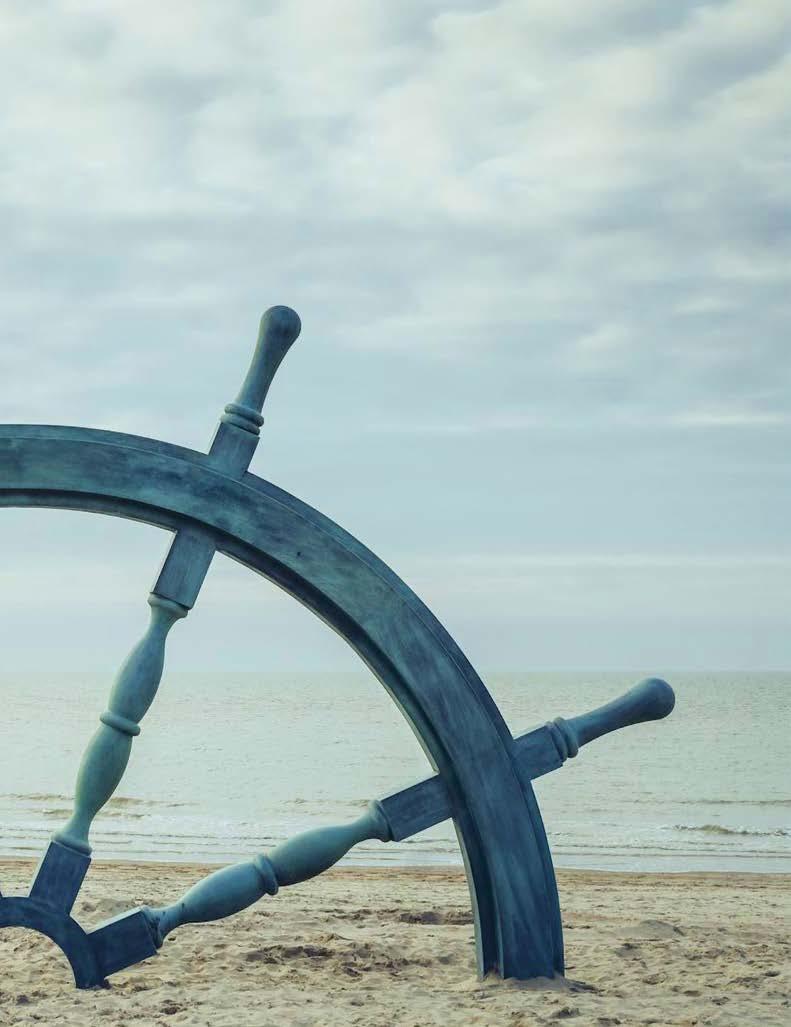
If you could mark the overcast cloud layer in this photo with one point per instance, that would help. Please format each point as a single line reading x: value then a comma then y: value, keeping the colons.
x: 542, y: 256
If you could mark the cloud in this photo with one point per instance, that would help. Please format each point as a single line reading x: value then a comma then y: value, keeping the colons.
x: 519, y: 562
x: 731, y: 419
x: 552, y: 241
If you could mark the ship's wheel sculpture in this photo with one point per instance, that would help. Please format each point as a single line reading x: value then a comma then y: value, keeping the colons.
x: 213, y: 504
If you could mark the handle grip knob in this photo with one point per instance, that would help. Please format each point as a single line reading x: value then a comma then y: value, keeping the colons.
x: 280, y: 327
x: 652, y: 699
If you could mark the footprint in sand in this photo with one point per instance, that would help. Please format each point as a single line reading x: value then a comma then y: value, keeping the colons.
x: 655, y: 930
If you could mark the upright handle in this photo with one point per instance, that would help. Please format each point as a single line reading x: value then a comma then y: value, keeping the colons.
x: 652, y: 699
x: 175, y: 591
x: 279, y: 329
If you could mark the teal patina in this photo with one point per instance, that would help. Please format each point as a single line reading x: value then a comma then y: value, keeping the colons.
x: 213, y: 504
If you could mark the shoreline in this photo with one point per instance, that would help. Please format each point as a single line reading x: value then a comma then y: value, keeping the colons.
x: 365, y: 869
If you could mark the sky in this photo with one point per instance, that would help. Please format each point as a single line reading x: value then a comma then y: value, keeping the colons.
x: 542, y: 257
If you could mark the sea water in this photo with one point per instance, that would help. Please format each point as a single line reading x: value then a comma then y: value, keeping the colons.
x: 228, y: 765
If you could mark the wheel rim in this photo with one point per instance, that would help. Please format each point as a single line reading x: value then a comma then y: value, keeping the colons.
x: 502, y: 839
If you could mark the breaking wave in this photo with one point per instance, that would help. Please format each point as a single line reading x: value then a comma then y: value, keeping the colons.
x: 777, y: 832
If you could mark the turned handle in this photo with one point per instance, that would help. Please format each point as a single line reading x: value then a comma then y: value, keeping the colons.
x: 652, y: 699
x: 279, y: 329
x: 107, y: 754
x: 233, y: 888
x: 175, y: 592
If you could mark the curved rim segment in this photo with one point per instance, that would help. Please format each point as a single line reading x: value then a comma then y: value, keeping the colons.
x: 61, y: 929
x: 509, y: 867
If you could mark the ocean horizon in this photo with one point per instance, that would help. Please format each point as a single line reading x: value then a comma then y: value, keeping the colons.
x: 228, y: 765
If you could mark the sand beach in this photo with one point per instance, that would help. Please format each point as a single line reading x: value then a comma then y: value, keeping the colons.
x: 376, y: 946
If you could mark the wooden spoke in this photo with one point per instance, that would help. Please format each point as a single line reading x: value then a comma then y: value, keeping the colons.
x: 175, y: 592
